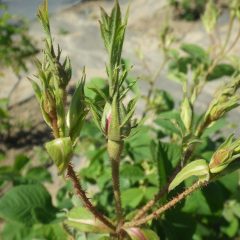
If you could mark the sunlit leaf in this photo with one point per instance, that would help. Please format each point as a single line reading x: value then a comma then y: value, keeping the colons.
x: 81, y: 219
x: 20, y: 203
x: 196, y: 168
x: 141, y: 234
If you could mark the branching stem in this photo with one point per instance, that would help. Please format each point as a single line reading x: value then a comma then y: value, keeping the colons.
x: 164, y: 189
x: 79, y: 190
x: 167, y: 206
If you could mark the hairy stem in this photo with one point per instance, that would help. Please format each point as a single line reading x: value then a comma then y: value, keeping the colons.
x: 167, y: 206
x: 114, y: 151
x: 116, y: 188
x: 78, y: 188
x: 82, y: 195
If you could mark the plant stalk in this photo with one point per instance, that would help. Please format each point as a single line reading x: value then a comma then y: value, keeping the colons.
x: 164, y: 189
x: 78, y: 188
x: 167, y: 206
x: 82, y: 195
x: 114, y: 152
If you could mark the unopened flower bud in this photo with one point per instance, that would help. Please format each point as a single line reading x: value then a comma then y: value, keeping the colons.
x: 186, y: 113
x: 106, y: 118
x: 48, y: 102
x: 60, y: 150
x: 210, y: 16
x: 226, y: 153
x: 219, y: 159
x: 235, y: 9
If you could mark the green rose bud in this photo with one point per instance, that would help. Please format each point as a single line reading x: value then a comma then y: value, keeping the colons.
x: 210, y: 16
x: 60, y: 150
x: 225, y: 154
x: 106, y: 118
x: 186, y: 113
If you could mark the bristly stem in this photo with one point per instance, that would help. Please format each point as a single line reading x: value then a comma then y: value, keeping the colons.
x: 115, y: 150
x: 79, y: 190
x: 157, y: 197
x: 116, y: 189
x: 81, y: 193
x: 166, y: 206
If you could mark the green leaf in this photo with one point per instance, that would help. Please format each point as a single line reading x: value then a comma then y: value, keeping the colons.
x: 77, y: 110
x: 38, y: 174
x: 195, y: 51
x: 113, y: 32
x: 83, y: 220
x: 162, y: 101
x: 20, y: 203
x: 150, y: 192
x: 178, y: 225
x: 20, y: 231
x: 221, y: 70
x: 191, y: 204
x: 159, y: 159
x: 196, y: 168
x: 20, y: 162
x: 230, y: 178
x: 60, y: 150
x: 232, y: 229
x: 97, y: 82
x: 168, y: 126
x: 38, y: 231
x: 141, y: 234
x: 130, y: 111
x: 132, y: 172
x: 99, y: 92
x: 171, y: 154
x: 37, y: 90
x: 7, y: 173
x: 132, y: 197
x: 104, y: 238
x: 215, y: 127
x: 138, y: 145
x: 210, y: 16
x: 97, y: 114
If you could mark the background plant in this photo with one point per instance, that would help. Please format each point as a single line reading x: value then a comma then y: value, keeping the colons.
x: 188, y: 10
x: 16, y: 47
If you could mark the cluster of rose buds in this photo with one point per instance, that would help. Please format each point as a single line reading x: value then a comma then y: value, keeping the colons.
x: 53, y: 77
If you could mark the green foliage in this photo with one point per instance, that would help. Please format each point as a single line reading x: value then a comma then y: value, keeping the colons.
x: 187, y: 9
x: 4, y: 117
x: 15, y: 44
x: 141, y: 234
x: 210, y: 16
x: 196, y: 168
x: 83, y: 220
x: 27, y: 204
